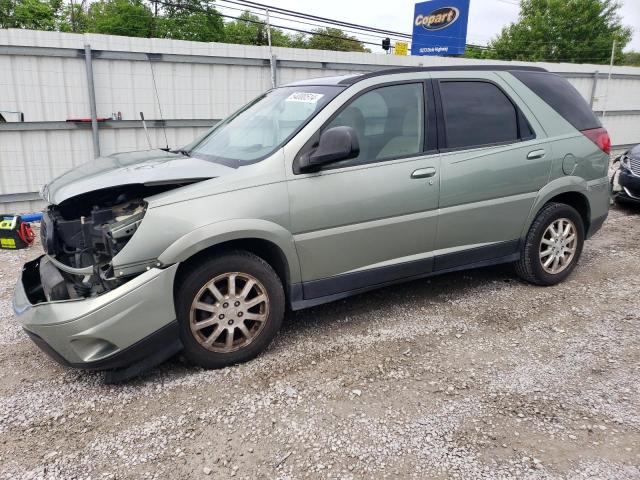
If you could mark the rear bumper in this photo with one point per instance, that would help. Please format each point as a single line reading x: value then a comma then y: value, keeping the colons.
x: 111, y: 331
x: 599, y: 196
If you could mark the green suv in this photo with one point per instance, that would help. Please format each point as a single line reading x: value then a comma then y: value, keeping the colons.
x: 312, y: 192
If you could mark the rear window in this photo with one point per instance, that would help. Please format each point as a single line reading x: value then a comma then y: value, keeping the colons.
x: 477, y: 113
x: 560, y: 95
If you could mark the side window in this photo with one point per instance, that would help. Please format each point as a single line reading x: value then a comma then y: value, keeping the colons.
x: 477, y: 113
x: 389, y: 122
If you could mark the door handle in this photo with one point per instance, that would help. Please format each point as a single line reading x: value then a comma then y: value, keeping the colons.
x: 536, y: 154
x: 424, y: 172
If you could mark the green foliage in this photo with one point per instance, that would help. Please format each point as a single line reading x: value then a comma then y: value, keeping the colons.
x: 30, y: 14
x: 195, y: 20
x: 334, y: 39
x: 130, y: 18
x: 74, y: 18
x: 190, y: 20
x: 579, y: 31
x: 631, y: 58
x: 475, y: 52
x: 249, y: 29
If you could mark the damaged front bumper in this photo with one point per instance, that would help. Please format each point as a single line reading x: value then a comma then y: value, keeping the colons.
x: 124, y: 326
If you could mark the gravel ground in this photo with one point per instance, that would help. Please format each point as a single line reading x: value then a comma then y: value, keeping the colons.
x: 468, y: 375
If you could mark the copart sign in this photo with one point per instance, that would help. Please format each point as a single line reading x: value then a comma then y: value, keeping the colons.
x: 440, y: 27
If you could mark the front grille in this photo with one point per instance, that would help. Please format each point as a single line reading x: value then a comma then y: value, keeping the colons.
x: 635, y: 164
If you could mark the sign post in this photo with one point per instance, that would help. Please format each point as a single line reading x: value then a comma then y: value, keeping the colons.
x: 440, y: 27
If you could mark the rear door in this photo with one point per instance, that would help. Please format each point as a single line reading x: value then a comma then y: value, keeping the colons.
x: 370, y: 219
x: 494, y: 159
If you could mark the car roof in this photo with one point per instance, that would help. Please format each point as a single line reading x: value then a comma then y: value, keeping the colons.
x: 346, y: 80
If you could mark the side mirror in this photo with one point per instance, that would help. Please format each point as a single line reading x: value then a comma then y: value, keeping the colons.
x: 335, y: 144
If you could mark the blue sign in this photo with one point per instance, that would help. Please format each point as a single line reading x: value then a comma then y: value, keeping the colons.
x: 440, y: 27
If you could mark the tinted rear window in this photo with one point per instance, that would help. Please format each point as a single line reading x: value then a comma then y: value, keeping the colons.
x: 477, y: 113
x: 560, y: 95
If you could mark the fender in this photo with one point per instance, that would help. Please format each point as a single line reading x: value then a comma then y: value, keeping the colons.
x: 555, y: 187
x: 227, y: 230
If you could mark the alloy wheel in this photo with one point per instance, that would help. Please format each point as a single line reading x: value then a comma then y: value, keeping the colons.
x: 558, y: 245
x: 229, y: 312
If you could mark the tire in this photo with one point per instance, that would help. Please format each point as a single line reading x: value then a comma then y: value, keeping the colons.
x: 211, y: 320
x: 531, y: 266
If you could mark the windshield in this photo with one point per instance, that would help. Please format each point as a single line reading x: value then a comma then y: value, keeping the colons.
x: 263, y: 125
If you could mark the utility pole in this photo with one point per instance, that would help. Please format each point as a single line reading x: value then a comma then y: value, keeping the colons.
x: 92, y: 100
x: 272, y: 59
x: 606, y: 92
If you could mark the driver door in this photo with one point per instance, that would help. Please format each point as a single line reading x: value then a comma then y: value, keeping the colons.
x: 371, y: 219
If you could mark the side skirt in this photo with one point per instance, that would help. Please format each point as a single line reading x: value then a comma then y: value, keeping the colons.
x: 317, y: 292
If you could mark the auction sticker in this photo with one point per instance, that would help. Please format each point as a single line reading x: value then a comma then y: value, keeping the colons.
x: 304, y: 97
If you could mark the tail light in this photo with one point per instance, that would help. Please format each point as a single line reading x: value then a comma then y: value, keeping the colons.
x: 600, y: 137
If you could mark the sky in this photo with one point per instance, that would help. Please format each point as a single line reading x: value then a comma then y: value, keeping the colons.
x: 486, y: 17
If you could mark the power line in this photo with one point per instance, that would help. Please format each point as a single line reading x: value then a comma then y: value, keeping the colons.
x: 335, y: 37
x: 298, y: 14
x: 404, y: 36
x: 259, y: 12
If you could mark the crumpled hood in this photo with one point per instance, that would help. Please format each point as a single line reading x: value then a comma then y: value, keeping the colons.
x: 145, y: 167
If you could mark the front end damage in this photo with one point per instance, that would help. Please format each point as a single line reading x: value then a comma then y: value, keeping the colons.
x: 78, y: 308
x: 81, y: 236
x: 97, y: 299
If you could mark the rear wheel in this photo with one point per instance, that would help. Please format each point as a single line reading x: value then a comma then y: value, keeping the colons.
x: 553, y: 245
x: 229, y: 309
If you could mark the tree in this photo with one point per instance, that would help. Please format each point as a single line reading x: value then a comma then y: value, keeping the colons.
x: 248, y: 29
x: 130, y: 18
x: 579, y: 31
x: 30, y: 14
x: 74, y: 18
x: 192, y: 20
x: 334, y: 39
x: 474, y: 51
x: 631, y: 58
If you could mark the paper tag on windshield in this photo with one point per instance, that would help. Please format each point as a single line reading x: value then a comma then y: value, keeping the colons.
x: 304, y: 97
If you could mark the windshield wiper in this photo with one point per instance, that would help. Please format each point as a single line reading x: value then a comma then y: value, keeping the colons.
x: 182, y: 152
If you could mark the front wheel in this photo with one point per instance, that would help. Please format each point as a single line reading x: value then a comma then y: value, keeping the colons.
x: 229, y: 309
x: 553, y: 245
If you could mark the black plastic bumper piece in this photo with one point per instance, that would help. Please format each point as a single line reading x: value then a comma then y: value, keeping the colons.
x: 596, y: 224
x: 130, y: 362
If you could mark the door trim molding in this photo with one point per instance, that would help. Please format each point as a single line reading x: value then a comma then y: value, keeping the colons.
x: 316, y: 292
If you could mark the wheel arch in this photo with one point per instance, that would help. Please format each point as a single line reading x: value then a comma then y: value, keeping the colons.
x: 271, y: 242
x: 265, y: 249
x: 578, y: 201
x: 572, y: 191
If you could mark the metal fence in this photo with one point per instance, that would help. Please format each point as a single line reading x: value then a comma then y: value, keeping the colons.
x: 51, y: 77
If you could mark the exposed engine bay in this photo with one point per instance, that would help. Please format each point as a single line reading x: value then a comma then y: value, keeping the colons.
x: 82, y: 235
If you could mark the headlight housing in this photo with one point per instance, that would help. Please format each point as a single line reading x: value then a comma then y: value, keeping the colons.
x: 625, y: 161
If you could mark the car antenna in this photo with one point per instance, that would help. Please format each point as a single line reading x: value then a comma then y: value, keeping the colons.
x: 144, y: 125
x: 155, y: 88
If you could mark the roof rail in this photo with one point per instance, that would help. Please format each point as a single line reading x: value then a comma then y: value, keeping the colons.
x: 453, y: 68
